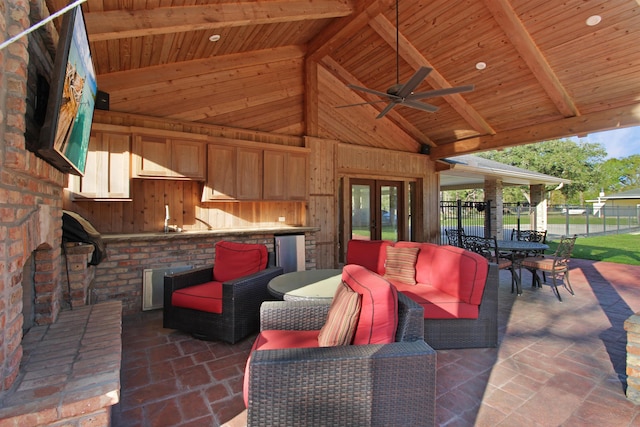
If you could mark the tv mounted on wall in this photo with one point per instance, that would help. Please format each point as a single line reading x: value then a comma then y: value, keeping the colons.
x: 64, y: 137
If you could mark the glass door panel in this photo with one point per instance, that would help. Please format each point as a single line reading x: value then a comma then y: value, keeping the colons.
x: 389, y: 207
x: 361, y: 208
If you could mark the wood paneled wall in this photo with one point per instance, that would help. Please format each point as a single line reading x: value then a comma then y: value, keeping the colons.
x: 146, y: 211
x: 331, y: 160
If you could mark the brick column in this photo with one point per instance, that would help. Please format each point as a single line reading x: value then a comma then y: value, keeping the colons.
x: 493, y: 191
x: 632, y: 326
x: 539, y: 201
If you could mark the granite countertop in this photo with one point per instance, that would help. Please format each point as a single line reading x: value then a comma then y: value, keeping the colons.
x: 205, y: 233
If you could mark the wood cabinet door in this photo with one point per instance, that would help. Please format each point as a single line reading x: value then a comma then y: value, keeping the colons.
x: 107, y: 169
x: 274, y: 175
x: 188, y: 159
x: 297, y: 176
x: 152, y: 157
x: 221, y: 173
x: 249, y: 174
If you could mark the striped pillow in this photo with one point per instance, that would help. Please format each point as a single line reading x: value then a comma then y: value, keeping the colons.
x: 401, y: 264
x: 342, y: 319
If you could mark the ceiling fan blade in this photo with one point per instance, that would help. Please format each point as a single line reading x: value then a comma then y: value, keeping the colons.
x: 414, y: 81
x: 441, y: 92
x: 420, y: 106
x: 386, y: 110
x: 362, y: 103
x: 371, y: 91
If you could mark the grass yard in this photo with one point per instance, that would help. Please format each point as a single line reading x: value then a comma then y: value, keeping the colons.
x: 619, y: 248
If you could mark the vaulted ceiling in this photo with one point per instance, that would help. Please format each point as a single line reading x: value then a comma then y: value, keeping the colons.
x: 283, y: 66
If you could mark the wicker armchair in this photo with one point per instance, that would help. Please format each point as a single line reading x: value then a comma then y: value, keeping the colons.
x: 364, y: 385
x: 241, y: 299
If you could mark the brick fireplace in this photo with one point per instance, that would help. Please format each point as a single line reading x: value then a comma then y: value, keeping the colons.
x: 30, y: 199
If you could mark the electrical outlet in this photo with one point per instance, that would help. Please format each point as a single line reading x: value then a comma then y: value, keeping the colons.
x: 280, y: 219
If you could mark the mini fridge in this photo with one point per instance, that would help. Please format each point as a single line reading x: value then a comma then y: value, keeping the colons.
x: 290, y: 252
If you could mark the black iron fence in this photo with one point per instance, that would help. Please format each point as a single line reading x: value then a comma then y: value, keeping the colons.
x: 473, y: 218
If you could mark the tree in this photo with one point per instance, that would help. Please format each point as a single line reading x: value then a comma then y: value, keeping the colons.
x: 565, y: 158
x: 619, y: 175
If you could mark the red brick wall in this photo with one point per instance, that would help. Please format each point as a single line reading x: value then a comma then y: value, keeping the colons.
x: 120, y: 275
x: 30, y: 201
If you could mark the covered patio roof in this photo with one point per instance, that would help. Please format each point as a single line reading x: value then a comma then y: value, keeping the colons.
x: 469, y: 171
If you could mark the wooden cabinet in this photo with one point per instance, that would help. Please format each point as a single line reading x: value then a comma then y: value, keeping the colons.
x: 285, y: 175
x: 275, y: 164
x: 107, y: 168
x: 160, y: 157
x: 245, y: 173
x: 221, y: 173
x: 249, y: 174
x: 297, y: 176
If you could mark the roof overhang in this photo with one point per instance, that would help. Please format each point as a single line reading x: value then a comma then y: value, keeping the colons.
x: 469, y: 172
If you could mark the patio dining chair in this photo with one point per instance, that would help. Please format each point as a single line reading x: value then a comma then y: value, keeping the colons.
x: 556, y: 265
x: 530, y: 236
x: 454, y: 236
x: 488, y: 248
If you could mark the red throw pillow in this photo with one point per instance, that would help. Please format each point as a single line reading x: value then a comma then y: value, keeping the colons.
x: 401, y: 264
x: 342, y: 318
x: 235, y: 260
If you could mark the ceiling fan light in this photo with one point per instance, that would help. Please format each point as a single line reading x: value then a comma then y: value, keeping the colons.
x: 481, y: 65
x: 593, y: 20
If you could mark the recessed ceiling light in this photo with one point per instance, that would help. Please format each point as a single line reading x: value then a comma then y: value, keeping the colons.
x: 481, y: 65
x: 214, y: 38
x: 594, y: 20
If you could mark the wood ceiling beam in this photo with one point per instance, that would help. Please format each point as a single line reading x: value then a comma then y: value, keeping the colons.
x: 340, y: 31
x: 414, y: 57
x: 339, y: 72
x: 166, y: 73
x: 621, y: 117
x: 118, y: 24
x: 517, y: 34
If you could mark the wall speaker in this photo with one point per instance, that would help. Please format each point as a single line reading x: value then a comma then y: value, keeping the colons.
x: 425, y: 149
x: 102, y: 100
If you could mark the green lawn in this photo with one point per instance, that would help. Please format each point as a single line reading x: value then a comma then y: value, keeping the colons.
x: 620, y: 248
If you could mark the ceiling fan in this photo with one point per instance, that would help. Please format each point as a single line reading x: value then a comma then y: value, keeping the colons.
x: 403, y: 94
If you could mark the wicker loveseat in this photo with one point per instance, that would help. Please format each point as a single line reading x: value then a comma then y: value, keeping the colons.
x: 390, y: 384
x: 221, y: 301
x: 457, y: 289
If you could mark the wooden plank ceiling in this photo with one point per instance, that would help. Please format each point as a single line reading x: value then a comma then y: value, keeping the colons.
x: 283, y: 65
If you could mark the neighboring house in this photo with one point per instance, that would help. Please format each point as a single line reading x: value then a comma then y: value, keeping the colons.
x: 626, y: 202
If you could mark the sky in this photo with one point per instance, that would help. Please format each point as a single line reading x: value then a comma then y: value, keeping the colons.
x: 619, y: 143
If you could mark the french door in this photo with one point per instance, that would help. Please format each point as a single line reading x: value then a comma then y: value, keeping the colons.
x: 378, y: 210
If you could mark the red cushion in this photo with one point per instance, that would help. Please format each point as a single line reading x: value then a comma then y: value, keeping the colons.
x: 205, y: 297
x: 371, y: 254
x: 235, y: 260
x: 423, y: 263
x: 460, y: 273
x: 453, y: 270
x: 379, y: 313
x: 438, y: 304
x: 273, y: 340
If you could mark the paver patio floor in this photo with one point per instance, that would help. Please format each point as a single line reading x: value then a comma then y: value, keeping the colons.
x: 556, y: 363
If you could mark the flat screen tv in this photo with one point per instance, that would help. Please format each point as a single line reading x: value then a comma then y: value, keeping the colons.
x: 64, y: 137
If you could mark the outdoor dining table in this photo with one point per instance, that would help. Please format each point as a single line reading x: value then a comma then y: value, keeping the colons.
x: 520, y: 249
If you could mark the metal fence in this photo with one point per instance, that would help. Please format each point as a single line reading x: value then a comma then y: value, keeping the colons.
x: 561, y: 219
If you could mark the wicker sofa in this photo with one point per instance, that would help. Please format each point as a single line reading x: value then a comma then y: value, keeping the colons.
x: 457, y: 289
x: 390, y: 384
x: 233, y: 311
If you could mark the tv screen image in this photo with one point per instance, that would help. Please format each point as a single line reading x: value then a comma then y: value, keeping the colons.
x: 64, y: 137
